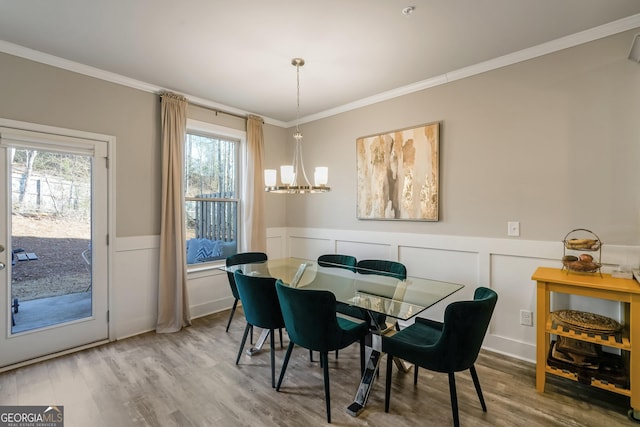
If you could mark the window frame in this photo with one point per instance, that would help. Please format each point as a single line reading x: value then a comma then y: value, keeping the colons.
x: 196, y: 127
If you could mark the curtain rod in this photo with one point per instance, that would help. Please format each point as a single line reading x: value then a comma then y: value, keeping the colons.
x: 216, y: 110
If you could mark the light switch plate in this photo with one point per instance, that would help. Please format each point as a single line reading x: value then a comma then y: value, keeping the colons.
x: 513, y: 228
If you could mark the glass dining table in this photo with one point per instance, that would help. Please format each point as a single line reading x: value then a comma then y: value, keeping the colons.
x: 366, y: 289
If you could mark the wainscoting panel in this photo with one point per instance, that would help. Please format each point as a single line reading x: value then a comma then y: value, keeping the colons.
x: 134, y: 290
x: 511, y: 279
x: 276, y: 242
x: 436, y: 264
x: 309, y: 247
x: 505, y: 265
x: 367, y: 250
x: 209, y: 292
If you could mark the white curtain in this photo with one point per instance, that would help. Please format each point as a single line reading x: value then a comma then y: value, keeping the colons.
x: 254, y: 232
x: 173, y: 300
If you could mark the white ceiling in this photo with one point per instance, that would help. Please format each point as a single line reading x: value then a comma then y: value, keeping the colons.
x: 237, y: 53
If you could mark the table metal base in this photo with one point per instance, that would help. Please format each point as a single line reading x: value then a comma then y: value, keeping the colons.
x: 261, y: 340
x: 373, y: 354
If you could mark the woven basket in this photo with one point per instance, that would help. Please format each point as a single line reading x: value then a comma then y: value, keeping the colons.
x: 583, y: 321
x: 583, y: 348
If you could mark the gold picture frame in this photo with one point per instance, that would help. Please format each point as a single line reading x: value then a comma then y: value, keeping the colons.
x: 399, y: 174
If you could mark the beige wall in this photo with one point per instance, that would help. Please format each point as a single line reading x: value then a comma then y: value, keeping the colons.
x: 552, y: 142
x: 275, y: 150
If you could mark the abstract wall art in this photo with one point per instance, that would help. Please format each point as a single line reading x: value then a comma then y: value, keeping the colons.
x: 398, y: 174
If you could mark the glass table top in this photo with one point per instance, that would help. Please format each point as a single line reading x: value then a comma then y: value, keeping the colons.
x: 401, y: 299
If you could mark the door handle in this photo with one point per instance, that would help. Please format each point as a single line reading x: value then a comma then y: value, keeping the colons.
x: 2, y: 266
x: 1, y: 249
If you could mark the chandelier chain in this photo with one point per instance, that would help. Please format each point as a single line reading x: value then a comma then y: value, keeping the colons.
x: 298, y: 95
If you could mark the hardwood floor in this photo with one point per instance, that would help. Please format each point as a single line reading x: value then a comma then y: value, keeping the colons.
x: 190, y: 379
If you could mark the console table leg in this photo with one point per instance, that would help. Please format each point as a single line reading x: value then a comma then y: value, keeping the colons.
x: 542, y: 340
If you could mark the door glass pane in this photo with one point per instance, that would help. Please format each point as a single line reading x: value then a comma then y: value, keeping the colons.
x: 50, y: 238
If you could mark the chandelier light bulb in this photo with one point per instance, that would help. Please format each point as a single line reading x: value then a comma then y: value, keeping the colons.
x: 287, y: 176
x: 270, y: 177
x: 321, y: 176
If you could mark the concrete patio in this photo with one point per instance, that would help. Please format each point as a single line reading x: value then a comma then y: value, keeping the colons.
x: 43, y: 312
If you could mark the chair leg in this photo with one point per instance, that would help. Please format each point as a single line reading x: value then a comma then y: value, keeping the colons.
x: 387, y: 387
x: 311, y: 357
x: 233, y: 310
x: 281, y: 346
x: 251, y: 336
x: 272, y: 341
x: 284, y: 364
x: 362, y: 356
x: 476, y: 382
x: 244, y: 340
x: 324, y: 359
x: 415, y: 374
x: 454, y: 399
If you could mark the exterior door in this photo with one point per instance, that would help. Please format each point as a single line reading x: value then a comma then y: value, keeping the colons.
x: 53, y: 238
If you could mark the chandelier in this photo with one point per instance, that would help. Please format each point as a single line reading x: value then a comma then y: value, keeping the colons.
x: 293, y: 177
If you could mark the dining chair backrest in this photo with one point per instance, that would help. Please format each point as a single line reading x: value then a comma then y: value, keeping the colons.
x: 450, y: 346
x: 338, y: 261
x: 465, y: 325
x: 310, y: 317
x: 382, y: 267
x: 242, y: 258
x: 259, y: 301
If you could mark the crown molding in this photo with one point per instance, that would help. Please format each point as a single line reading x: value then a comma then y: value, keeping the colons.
x: 76, y: 67
x: 572, y: 40
x: 615, y: 27
x: 566, y: 42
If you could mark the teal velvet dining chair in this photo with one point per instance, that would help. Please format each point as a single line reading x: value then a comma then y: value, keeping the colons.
x: 262, y: 309
x: 311, y: 322
x: 450, y: 346
x: 382, y: 267
x: 338, y: 261
x: 237, y: 259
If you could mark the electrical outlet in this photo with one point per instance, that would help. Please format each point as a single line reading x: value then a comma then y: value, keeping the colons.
x: 513, y: 228
x: 526, y: 318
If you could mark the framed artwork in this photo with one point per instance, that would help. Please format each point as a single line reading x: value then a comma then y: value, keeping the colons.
x: 398, y: 174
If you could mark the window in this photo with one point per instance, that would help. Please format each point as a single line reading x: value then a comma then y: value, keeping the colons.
x: 211, y: 196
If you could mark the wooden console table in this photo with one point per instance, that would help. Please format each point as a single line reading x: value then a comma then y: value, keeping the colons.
x: 605, y: 287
